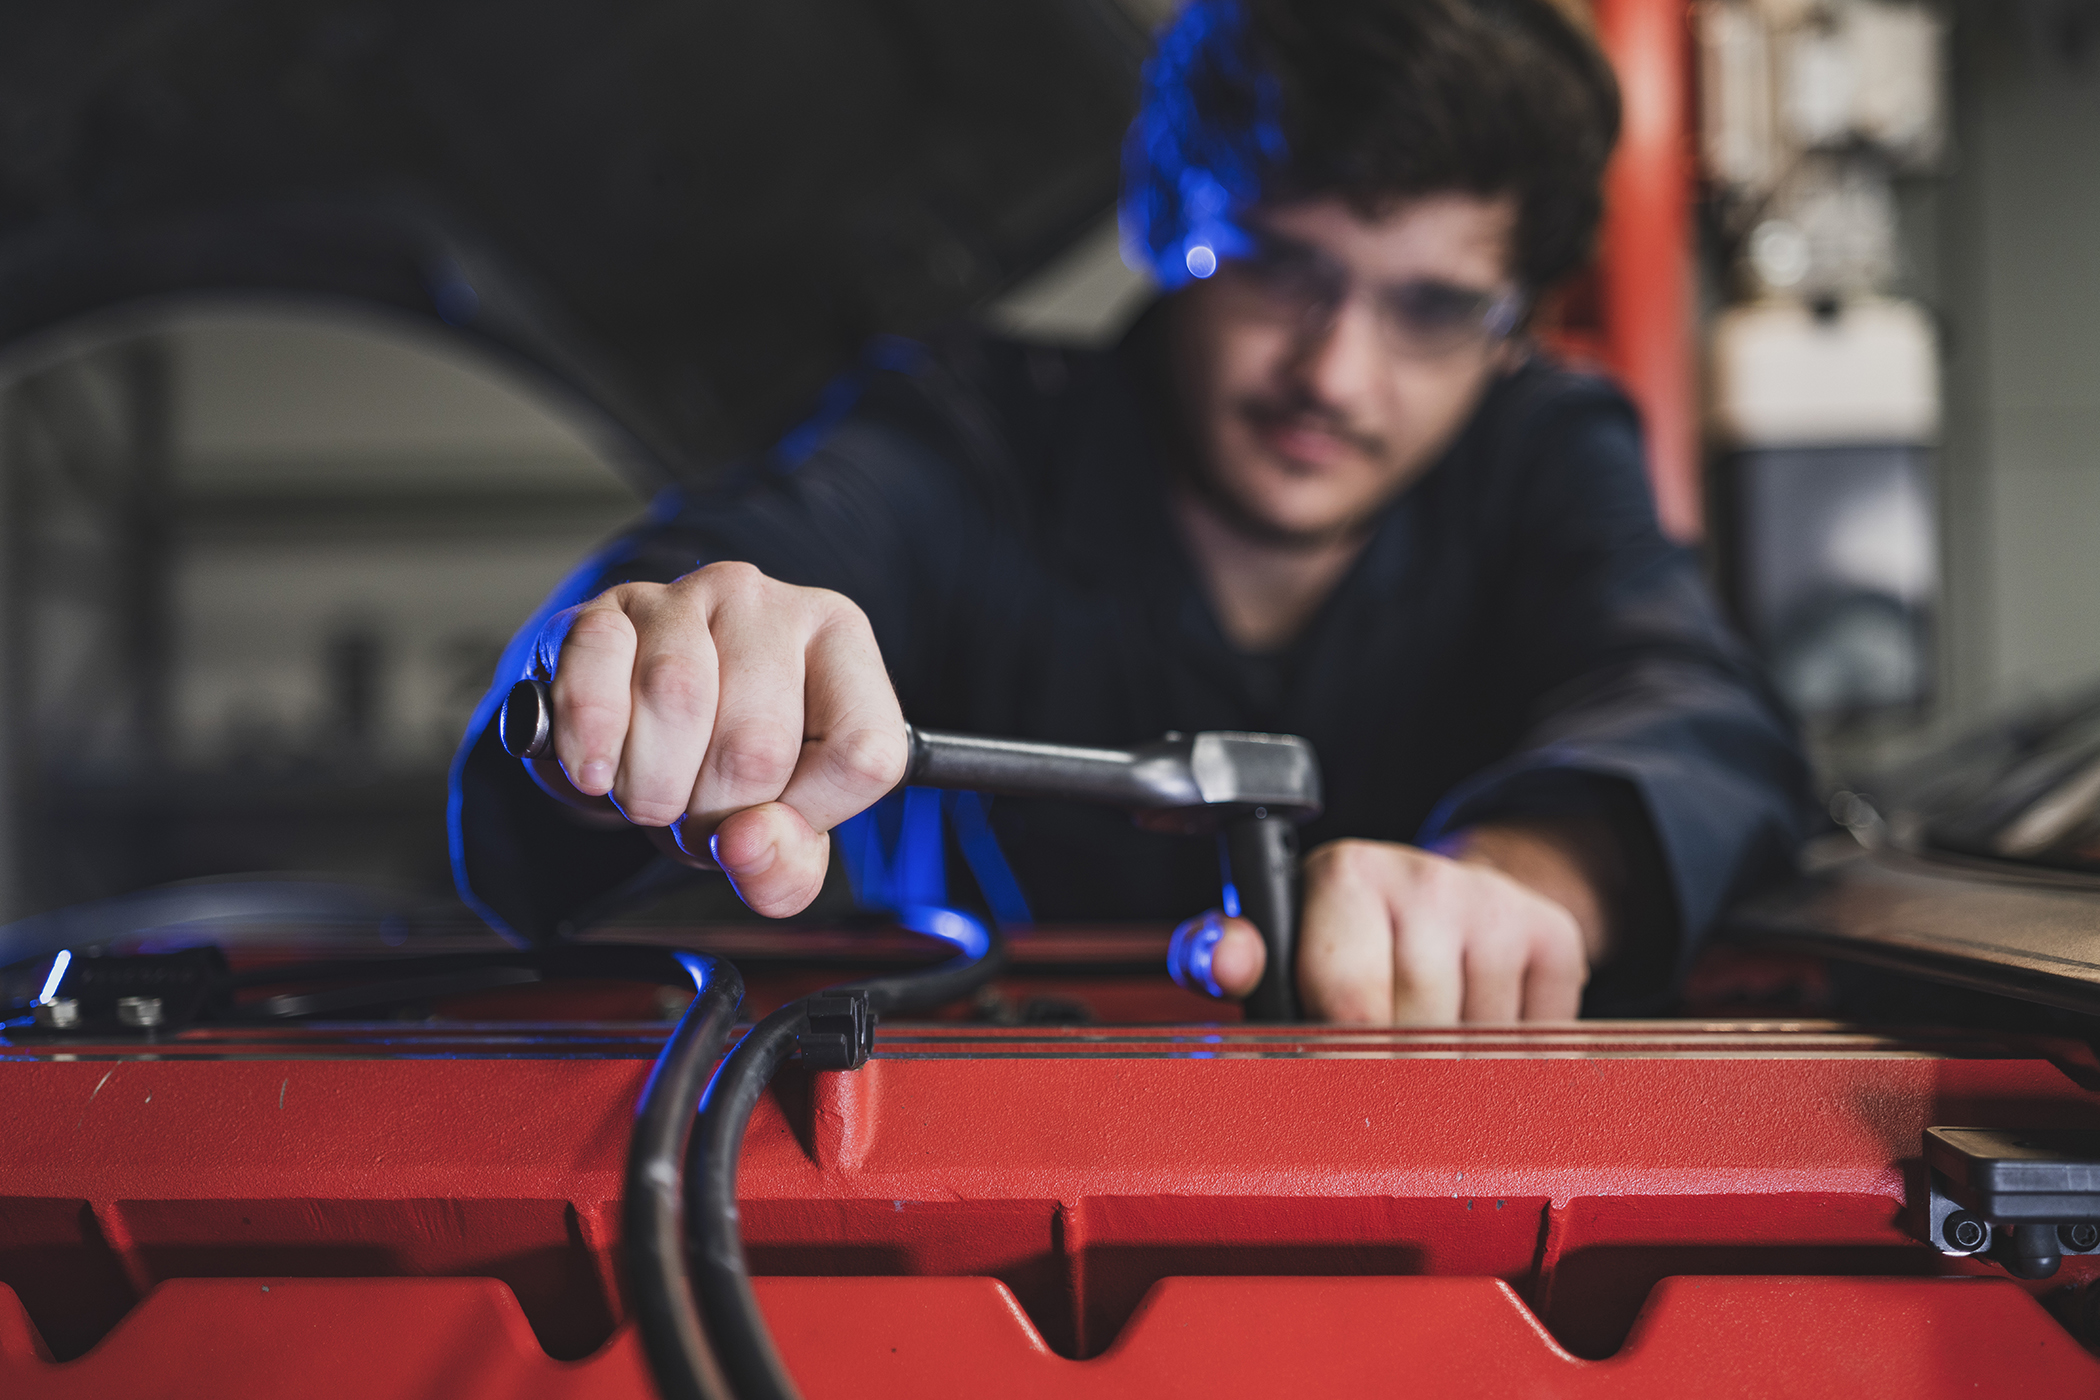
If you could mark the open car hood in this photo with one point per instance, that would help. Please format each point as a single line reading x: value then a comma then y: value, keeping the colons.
x: 1975, y: 865
x: 690, y: 214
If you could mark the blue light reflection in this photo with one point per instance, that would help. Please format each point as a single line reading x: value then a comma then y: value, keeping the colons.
x: 949, y: 925
x: 59, y: 965
x: 1208, y: 128
x: 695, y: 967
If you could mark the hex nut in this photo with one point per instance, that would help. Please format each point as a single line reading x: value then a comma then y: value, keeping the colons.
x: 1964, y: 1231
x: 143, y: 1013
x: 58, y: 1014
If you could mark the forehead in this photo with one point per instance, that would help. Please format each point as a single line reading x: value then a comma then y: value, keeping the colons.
x: 1463, y: 238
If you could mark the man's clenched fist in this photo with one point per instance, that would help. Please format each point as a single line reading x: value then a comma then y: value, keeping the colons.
x: 1503, y: 926
x: 736, y: 718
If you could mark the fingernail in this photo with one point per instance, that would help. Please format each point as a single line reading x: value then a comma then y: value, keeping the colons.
x: 596, y: 776
x: 1189, y: 953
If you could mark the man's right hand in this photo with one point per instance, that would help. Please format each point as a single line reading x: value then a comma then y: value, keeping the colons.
x: 735, y: 718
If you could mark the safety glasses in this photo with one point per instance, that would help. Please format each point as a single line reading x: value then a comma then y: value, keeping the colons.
x: 1284, y: 280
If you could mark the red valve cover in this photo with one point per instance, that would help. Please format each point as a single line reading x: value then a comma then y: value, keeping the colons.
x: 1660, y: 1208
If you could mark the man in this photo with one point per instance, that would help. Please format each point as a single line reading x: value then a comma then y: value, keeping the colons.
x: 1325, y: 486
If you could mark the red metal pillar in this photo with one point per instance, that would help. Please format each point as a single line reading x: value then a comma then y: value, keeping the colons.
x: 1645, y: 252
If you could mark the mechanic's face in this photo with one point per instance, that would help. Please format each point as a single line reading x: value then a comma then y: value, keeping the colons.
x: 1326, y: 371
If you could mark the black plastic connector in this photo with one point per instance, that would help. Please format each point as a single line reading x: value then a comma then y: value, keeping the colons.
x: 2023, y: 1199
x: 840, y: 1033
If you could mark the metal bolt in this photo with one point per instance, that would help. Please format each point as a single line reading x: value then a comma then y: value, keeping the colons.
x: 142, y: 1012
x: 2082, y: 1236
x: 59, y: 1014
x: 1964, y: 1231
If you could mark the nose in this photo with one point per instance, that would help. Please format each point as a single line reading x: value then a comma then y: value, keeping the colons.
x: 1336, y: 358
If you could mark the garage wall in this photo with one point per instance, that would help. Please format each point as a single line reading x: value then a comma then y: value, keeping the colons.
x: 2018, y: 263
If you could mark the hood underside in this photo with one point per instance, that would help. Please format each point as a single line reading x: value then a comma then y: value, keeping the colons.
x: 690, y: 213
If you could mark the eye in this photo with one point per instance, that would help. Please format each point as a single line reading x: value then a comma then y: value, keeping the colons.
x: 1438, y: 306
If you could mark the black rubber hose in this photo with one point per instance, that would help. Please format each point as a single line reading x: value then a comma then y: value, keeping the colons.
x: 722, y: 1276
x: 653, y: 1227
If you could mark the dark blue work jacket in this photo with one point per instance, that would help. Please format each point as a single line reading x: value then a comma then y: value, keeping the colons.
x: 1518, y: 638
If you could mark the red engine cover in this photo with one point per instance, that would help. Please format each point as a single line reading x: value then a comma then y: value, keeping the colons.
x: 1640, y: 1209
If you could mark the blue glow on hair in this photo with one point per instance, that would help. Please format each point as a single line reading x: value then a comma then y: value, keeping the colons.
x: 1190, y: 169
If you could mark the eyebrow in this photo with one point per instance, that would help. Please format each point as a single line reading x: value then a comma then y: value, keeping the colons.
x: 1283, y: 242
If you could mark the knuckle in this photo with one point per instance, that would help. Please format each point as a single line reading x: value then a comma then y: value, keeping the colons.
x: 1436, y: 880
x: 595, y: 625
x: 872, y: 758
x: 622, y: 595
x: 755, y: 758
x: 675, y: 685
x: 837, y: 610
x: 730, y: 581
x: 1350, y: 860
x: 590, y: 712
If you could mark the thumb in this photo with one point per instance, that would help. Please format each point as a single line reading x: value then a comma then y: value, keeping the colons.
x: 1221, y: 956
x: 772, y: 857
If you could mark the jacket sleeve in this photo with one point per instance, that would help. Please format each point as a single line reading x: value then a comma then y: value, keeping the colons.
x: 1636, y: 701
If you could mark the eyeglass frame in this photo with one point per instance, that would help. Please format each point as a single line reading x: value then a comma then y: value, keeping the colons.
x: 1500, y: 315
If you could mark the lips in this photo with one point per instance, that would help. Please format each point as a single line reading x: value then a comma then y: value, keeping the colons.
x: 1304, y: 441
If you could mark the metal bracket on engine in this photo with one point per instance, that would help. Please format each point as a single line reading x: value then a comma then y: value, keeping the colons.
x: 139, y: 995
x: 2023, y: 1198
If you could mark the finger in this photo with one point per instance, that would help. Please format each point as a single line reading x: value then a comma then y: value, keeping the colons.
x: 1346, y: 938
x: 853, y: 749
x: 757, y: 734
x: 1558, y: 968
x: 1428, y: 971
x: 1239, y: 960
x: 592, y: 693
x: 553, y: 781
x: 674, y: 688
x: 772, y: 857
x: 1218, y: 956
x: 1426, y: 905
x: 1494, y: 965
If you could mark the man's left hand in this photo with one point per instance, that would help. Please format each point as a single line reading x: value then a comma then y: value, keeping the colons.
x: 1501, y: 923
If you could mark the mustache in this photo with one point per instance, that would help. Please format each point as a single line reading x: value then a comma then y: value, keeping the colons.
x: 1304, y: 411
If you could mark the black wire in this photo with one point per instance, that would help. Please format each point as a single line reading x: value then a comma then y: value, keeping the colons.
x: 653, y: 1226
x: 722, y: 1276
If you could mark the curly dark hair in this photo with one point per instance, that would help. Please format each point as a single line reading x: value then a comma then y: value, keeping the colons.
x: 1374, y: 101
